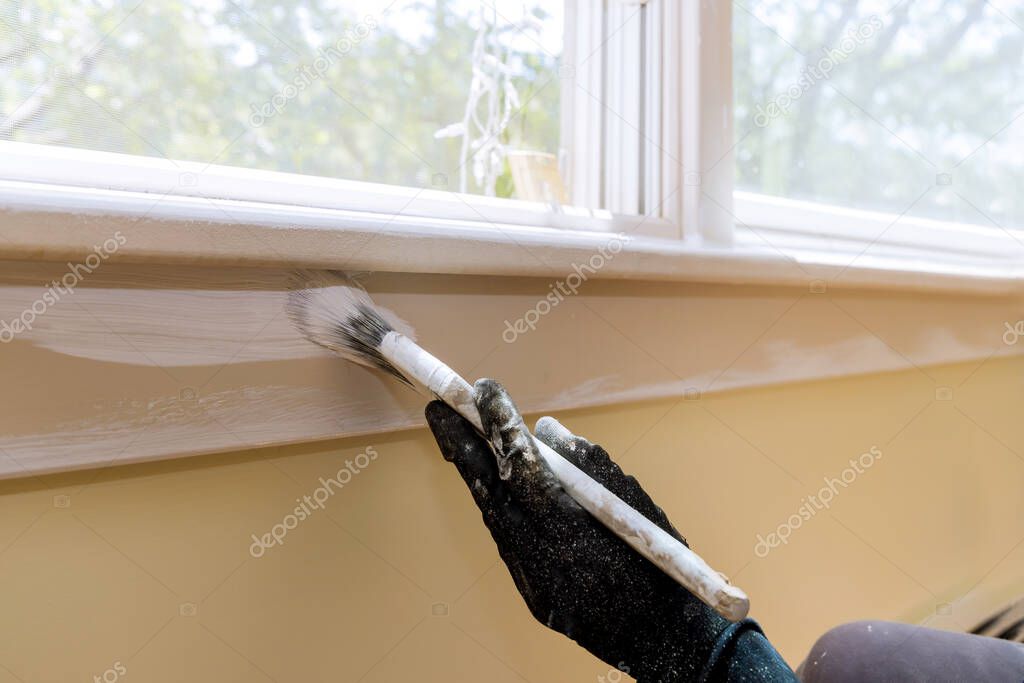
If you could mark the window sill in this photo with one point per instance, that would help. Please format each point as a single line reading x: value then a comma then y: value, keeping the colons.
x: 58, y: 203
x: 46, y: 221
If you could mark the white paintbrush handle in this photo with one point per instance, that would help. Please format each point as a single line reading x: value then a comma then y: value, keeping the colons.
x: 643, y: 535
x: 685, y: 566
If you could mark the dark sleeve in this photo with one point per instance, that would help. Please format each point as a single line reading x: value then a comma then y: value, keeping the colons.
x: 742, y: 654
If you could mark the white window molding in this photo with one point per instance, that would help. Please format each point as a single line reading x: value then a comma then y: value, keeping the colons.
x: 707, y: 118
x: 607, y: 123
x: 684, y: 170
x: 82, y: 168
x: 647, y: 117
x: 59, y: 203
x: 581, y: 157
x: 622, y: 98
x: 790, y: 224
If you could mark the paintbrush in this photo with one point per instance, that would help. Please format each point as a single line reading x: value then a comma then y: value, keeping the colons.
x: 333, y: 311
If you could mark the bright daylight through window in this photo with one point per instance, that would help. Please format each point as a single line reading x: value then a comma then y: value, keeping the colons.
x: 906, y: 107
x: 440, y: 94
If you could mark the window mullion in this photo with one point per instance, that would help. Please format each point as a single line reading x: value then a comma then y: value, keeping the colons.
x: 689, y: 129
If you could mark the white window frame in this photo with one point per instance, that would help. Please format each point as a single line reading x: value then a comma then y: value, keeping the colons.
x: 654, y: 137
x: 683, y: 128
x: 653, y: 143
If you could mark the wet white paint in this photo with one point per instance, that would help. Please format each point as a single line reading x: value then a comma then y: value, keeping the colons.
x: 148, y: 362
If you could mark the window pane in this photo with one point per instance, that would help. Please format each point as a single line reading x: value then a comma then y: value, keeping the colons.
x: 340, y: 88
x: 896, y: 106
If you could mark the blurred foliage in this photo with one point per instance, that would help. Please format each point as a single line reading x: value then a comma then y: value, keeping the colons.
x: 920, y: 98
x: 936, y: 90
x: 187, y: 79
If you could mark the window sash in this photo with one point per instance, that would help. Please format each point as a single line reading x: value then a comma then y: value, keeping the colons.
x: 650, y: 131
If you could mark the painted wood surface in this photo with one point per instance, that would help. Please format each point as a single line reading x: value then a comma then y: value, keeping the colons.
x: 40, y: 221
x: 145, y: 362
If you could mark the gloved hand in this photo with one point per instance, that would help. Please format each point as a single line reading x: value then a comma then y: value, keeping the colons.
x: 576, y: 576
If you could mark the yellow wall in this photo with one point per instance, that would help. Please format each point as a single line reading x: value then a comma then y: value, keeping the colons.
x: 144, y: 573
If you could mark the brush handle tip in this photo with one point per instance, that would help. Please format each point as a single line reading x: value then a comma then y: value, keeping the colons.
x: 732, y: 603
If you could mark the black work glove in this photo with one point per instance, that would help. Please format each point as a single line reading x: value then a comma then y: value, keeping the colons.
x: 576, y: 576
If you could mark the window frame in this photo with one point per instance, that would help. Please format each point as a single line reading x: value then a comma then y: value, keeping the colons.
x: 674, y: 195
x: 839, y: 231
x: 656, y: 140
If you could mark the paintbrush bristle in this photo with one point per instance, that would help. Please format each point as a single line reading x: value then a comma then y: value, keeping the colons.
x: 332, y: 310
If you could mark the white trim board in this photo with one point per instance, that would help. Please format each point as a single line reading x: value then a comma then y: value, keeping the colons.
x: 158, y: 178
x: 56, y: 222
x: 156, y: 361
x: 57, y: 204
x: 777, y: 218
